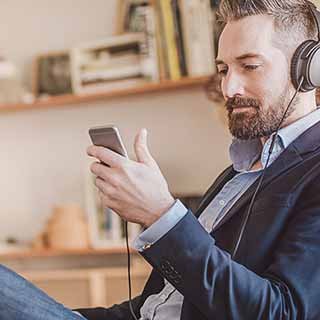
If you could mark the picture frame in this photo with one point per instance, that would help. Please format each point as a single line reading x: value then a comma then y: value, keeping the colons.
x: 52, y: 74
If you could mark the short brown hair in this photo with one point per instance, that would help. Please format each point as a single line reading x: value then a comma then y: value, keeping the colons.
x: 293, y: 19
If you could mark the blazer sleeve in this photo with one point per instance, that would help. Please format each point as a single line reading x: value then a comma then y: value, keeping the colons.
x: 207, y: 277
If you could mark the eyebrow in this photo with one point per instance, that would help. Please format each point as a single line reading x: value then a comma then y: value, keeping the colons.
x: 242, y: 57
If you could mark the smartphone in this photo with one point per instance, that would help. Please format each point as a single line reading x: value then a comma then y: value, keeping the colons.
x: 108, y: 137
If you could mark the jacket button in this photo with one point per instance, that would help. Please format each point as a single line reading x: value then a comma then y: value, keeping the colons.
x: 166, y: 267
x: 176, y: 280
x: 146, y: 246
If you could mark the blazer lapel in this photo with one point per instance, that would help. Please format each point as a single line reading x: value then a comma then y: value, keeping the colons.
x: 309, y: 141
x: 286, y: 160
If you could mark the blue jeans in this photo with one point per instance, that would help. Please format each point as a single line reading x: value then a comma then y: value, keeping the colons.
x: 21, y: 300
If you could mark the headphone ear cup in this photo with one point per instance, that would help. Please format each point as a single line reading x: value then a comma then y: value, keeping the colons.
x: 299, y: 65
x: 314, y: 67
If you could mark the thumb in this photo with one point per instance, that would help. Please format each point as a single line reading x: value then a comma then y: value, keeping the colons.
x: 141, y: 148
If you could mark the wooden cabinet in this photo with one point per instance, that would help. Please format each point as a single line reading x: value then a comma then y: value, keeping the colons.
x: 89, y: 287
x: 80, y: 280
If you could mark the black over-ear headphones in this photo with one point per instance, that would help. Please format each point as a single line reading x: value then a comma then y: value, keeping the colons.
x: 306, y: 61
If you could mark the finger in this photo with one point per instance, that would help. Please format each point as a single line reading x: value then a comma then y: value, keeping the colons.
x: 106, y: 202
x: 141, y: 148
x: 106, y: 156
x: 105, y: 188
x: 101, y: 170
x: 109, y: 175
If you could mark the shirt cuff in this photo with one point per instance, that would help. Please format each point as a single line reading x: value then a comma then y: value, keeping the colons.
x: 162, y: 226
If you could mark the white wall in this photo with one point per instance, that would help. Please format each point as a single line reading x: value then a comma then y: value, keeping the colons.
x: 43, y: 160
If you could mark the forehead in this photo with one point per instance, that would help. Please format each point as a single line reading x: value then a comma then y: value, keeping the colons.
x: 249, y: 34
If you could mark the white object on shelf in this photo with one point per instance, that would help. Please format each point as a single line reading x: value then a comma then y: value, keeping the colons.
x: 95, y: 65
x: 7, y: 70
x: 11, y: 89
x: 112, y: 73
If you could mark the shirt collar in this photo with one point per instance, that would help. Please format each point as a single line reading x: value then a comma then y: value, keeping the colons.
x: 244, y: 153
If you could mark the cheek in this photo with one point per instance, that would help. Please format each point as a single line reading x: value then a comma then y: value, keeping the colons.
x: 271, y: 85
x: 258, y: 89
x: 278, y: 76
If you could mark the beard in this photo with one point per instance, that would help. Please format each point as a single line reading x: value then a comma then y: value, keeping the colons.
x: 257, y: 122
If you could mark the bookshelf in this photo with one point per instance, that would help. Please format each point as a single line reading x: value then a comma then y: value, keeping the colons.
x: 167, y: 52
x: 73, y: 99
x: 88, y: 277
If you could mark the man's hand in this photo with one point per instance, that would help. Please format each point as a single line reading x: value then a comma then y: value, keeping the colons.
x: 136, y: 190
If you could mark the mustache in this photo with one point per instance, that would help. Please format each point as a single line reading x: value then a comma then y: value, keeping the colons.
x: 242, y: 102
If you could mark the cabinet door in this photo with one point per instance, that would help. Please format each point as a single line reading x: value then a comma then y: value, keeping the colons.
x: 73, y: 293
x: 117, y: 286
x: 89, y: 287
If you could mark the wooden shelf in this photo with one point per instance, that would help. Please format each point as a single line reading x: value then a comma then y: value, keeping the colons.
x: 64, y: 252
x: 68, y: 99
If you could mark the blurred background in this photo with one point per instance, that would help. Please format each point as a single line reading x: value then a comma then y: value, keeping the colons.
x: 66, y: 66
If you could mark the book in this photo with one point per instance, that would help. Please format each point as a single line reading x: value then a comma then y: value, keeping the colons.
x: 148, y: 48
x: 170, y: 39
x: 139, y: 16
x: 178, y: 36
x: 161, y: 43
x: 105, y: 86
x: 198, y: 36
x: 112, y: 73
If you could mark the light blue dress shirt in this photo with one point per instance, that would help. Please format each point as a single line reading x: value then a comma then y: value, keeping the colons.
x: 167, y: 304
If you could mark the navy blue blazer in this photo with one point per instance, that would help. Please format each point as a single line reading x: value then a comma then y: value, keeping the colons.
x: 276, y: 272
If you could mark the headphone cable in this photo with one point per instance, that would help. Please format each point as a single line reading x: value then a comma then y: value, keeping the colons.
x: 246, y: 218
x: 129, y: 270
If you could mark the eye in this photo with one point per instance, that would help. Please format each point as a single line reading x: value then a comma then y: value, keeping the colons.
x: 223, y: 72
x: 251, y: 67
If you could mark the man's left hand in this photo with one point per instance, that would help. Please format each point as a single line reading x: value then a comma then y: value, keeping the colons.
x: 135, y: 190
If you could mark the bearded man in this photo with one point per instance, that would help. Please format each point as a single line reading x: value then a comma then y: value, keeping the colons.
x: 220, y: 262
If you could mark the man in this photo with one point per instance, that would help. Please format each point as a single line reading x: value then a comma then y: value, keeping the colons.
x: 274, y: 273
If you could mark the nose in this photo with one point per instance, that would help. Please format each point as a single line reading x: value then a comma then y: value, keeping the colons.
x: 232, y: 85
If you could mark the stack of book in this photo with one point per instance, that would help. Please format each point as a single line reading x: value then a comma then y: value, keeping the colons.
x: 180, y: 35
x: 116, y: 62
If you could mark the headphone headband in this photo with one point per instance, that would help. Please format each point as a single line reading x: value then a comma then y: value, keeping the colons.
x: 316, y: 16
x: 305, y: 63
